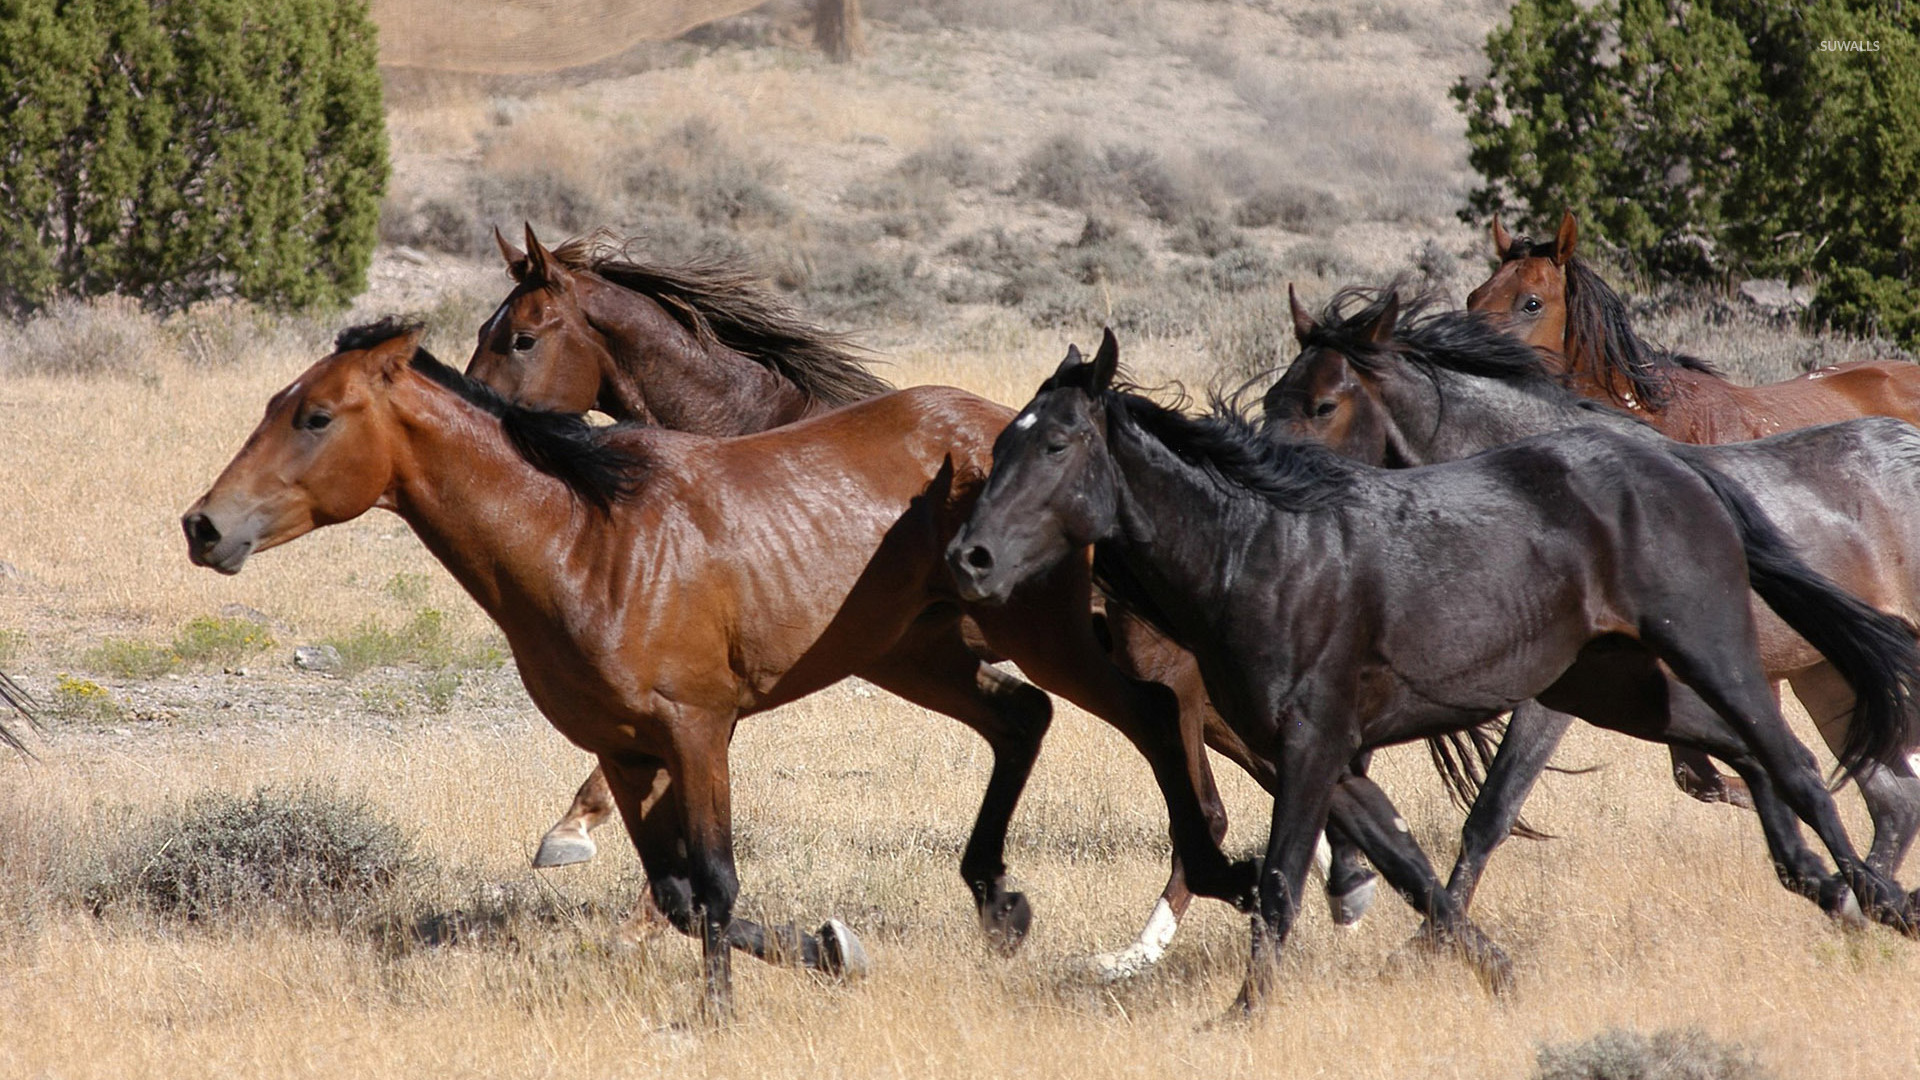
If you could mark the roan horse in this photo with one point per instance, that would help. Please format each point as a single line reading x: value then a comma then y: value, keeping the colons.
x: 1399, y: 387
x: 704, y: 349
x: 656, y: 586
x: 1309, y: 588
x: 1550, y: 298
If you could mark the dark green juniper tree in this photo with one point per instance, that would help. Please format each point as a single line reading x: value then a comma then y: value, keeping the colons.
x: 176, y: 151
x: 1696, y: 138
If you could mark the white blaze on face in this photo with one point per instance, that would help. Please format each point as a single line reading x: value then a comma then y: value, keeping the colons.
x: 1023, y: 421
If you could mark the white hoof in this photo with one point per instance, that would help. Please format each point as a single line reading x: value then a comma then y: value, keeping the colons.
x: 841, y: 954
x: 564, y: 849
x: 1133, y: 961
x: 1350, y: 907
x: 1850, y: 914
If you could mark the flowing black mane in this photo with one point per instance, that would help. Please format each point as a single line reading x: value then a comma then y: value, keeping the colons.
x: 1461, y: 341
x: 562, y: 445
x: 1298, y: 477
x: 724, y: 304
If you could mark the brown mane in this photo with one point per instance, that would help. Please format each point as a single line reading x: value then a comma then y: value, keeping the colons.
x: 722, y: 303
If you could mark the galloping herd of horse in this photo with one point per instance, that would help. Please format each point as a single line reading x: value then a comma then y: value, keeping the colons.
x: 1434, y: 519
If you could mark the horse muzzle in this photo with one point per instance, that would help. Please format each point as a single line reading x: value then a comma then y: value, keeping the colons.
x: 975, y: 572
x: 208, y: 546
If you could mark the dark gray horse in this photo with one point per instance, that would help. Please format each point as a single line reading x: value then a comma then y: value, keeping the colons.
x: 1309, y: 588
x: 1419, y: 389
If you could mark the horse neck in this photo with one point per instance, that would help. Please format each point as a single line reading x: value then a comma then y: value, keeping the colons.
x: 495, y: 522
x: 1180, y: 536
x: 1471, y: 413
x: 665, y: 374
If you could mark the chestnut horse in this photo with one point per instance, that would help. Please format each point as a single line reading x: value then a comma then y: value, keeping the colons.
x: 1553, y: 300
x: 704, y: 349
x: 655, y: 587
x: 1550, y: 298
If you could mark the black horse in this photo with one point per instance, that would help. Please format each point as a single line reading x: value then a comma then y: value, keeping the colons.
x: 1399, y: 386
x: 1309, y: 587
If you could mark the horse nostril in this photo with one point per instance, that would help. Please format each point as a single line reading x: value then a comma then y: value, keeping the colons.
x: 979, y: 558
x: 201, y: 532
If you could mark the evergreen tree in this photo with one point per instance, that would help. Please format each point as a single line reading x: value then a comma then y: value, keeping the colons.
x: 178, y: 151
x: 1702, y: 137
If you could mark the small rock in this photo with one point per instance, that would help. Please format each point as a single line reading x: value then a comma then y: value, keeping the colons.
x: 411, y: 255
x: 316, y: 658
x: 242, y: 611
x: 1774, y: 296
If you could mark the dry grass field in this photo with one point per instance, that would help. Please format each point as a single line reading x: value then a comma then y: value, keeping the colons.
x: 1256, y: 143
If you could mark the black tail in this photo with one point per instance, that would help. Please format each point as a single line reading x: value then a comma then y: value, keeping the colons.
x: 12, y: 695
x: 1462, y: 759
x: 1874, y: 651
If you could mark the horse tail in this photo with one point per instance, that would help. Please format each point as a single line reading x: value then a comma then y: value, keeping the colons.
x: 1874, y: 651
x: 12, y: 695
x: 1462, y: 759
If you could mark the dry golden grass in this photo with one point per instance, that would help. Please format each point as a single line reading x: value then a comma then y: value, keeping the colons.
x: 1653, y: 912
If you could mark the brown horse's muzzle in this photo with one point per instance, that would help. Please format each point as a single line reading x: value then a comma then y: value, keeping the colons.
x: 209, y: 546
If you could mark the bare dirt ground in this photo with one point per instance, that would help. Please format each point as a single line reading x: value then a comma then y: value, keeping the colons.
x: 1318, y: 137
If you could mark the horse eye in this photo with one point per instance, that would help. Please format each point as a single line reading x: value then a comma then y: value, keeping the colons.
x: 1056, y: 448
x: 523, y: 342
x: 1325, y: 408
x: 316, y: 421
x: 1532, y: 305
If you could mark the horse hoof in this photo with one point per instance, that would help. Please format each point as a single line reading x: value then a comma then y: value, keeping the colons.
x: 1005, y: 920
x: 1118, y: 967
x: 1841, y: 905
x: 1351, y: 906
x: 562, y: 849
x: 841, y: 954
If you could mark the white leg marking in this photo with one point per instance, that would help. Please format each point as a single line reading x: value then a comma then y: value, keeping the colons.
x: 1323, y: 857
x: 1144, y: 953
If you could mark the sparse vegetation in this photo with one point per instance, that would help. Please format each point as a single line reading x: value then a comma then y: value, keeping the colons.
x: 83, y: 700
x: 309, y: 852
x: 1616, y: 1054
x: 425, y: 640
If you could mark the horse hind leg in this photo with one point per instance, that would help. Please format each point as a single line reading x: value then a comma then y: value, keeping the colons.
x: 1892, y: 795
x: 570, y: 840
x: 941, y: 672
x: 1729, y: 680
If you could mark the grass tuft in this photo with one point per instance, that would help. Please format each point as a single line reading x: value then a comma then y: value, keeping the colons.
x: 1673, y: 1054
x: 308, y: 852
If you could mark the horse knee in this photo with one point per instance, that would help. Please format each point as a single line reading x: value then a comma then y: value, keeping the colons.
x: 673, y: 896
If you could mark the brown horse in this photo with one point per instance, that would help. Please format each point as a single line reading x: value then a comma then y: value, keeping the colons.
x: 655, y: 587
x: 1550, y: 298
x: 704, y: 349
x: 700, y: 349
x: 1554, y: 300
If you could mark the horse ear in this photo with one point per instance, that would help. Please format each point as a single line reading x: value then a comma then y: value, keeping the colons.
x: 1106, y: 362
x: 1502, y: 241
x: 396, y: 353
x: 1568, y: 237
x: 542, y: 267
x: 516, y: 259
x: 1068, y: 366
x: 1381, y: 331
x: 1302, y: 320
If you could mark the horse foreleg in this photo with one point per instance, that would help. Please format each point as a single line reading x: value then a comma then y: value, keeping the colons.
x: 941, y: 672
x: 1305, y: 792
x: 1533, y: 734
x: 569, y: 841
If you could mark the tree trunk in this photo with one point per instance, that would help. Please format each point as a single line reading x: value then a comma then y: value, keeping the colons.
x: 836, y: 29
